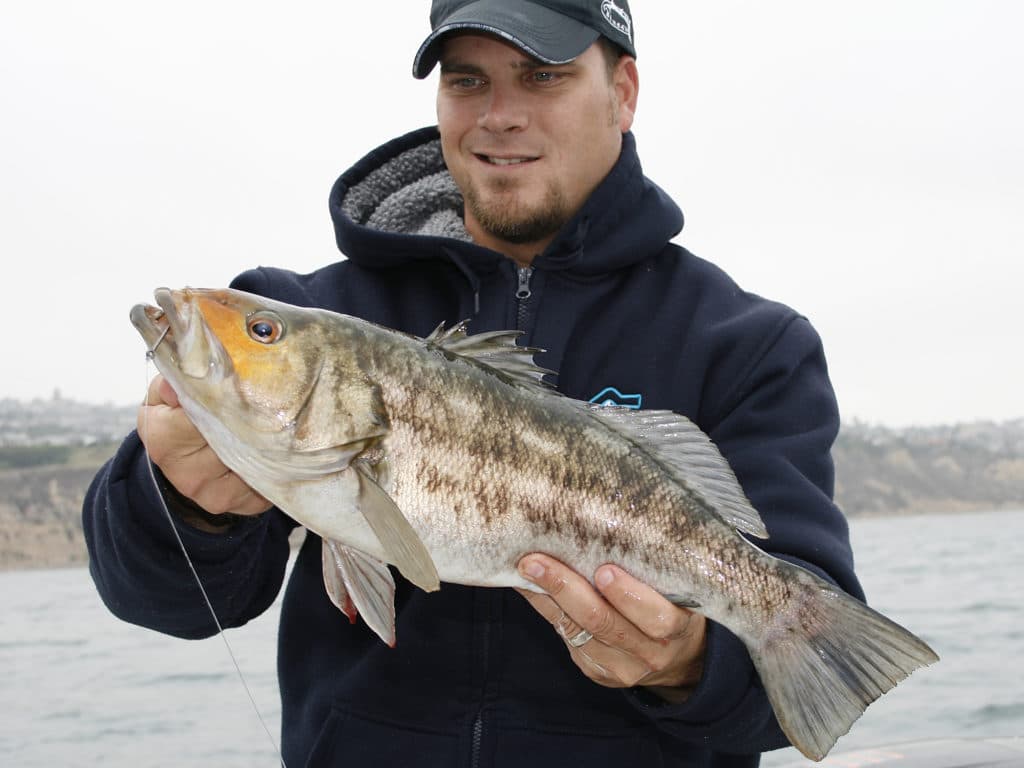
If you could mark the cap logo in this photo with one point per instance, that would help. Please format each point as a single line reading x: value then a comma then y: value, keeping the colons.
x: 618, y: 18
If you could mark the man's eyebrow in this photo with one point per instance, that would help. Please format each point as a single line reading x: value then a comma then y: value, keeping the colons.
x: 462, y: 67
x: 466, y: 68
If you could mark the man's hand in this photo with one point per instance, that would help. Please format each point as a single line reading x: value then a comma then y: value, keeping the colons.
x: 188, y: 462
x: 639, y: 637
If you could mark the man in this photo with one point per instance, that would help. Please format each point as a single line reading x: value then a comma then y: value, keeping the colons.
x: 525, y: 208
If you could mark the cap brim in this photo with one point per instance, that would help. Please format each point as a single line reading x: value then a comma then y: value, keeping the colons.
x: 539, y: 32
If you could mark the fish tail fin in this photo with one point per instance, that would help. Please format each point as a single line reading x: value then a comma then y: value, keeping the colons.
x: 825, y: 658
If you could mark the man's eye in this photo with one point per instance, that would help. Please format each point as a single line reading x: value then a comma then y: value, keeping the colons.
x: 545, y: 77
x: 465, y: 83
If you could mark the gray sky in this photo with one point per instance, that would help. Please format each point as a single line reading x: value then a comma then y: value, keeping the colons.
x: 860, y: 162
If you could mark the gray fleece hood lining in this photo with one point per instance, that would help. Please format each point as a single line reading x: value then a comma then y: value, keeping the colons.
x: 411, y: 194
x: 399, y: 203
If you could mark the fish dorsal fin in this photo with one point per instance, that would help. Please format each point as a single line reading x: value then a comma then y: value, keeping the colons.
x: 360, y: 585
x: 690, y: 456
x: 495, y: 351
x: 402, y: 545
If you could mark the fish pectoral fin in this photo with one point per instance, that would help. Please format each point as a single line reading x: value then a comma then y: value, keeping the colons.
x: 341, y: 407
x: 401, y: 543
x: 360, y: 585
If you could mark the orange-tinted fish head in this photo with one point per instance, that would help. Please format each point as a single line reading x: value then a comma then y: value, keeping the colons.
x: 222, y: 344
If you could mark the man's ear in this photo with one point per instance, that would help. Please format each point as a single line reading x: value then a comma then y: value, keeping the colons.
x: 626, y: 82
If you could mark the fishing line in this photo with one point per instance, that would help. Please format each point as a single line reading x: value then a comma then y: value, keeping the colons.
x: 191, y: 566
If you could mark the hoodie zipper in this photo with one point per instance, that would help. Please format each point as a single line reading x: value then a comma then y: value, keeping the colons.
x: 478, y: 736
x: 523, y: 294
x: 485, y: 606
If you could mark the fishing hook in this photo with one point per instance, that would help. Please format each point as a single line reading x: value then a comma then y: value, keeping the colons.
x: 151, y: 350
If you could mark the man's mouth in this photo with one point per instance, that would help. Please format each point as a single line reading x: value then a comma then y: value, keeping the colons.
x: 505, y: 161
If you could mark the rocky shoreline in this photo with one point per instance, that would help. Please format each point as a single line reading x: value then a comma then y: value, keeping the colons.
x: 41, y: 525
x: 41, y: 516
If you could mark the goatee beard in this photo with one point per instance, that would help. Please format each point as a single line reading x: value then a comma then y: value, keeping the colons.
x: 514, y: 224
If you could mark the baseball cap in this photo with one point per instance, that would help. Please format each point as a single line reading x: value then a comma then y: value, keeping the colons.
x: 552, y: 31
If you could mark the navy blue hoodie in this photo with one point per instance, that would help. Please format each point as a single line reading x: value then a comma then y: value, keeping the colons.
x: 477, y: 677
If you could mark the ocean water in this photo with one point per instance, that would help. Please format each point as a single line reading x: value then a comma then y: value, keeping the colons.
x: 80, y: 688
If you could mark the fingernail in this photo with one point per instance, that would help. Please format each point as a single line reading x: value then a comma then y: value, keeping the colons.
x: 604, y: 577
x: 533, y: 570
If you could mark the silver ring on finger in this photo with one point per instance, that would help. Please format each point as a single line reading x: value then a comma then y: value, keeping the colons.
x: 580, y: 638
x: 562, y: 625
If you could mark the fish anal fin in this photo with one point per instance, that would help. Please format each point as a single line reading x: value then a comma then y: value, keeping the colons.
x: 690, y: 456
x: 402, y: 545
x: 360, y: 585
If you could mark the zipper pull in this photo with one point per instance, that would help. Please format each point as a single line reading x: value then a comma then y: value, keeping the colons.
x: 523, y: 291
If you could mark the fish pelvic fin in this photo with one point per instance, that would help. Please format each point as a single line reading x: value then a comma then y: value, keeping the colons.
x: 494, y: 351
x: 335, y: 582
x: 825, y: 658
x: 688, y: 454
x: 360, y: 585
x: 402, y: 545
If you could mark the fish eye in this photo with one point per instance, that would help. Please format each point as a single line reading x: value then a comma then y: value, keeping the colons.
x: 265, y: 327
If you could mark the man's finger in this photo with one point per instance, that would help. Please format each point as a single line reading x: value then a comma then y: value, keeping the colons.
x: 160, y: 392
x: 229, y: 493
x: 168, y: 394
x: 563, y: 623
x: 647, y: 609
x: 605, y: 664
x: 542, y: 604
x: 578, y: 599
x: 168, y: 434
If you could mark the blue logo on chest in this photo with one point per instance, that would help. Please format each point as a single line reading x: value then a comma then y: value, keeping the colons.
x: 612, y: 396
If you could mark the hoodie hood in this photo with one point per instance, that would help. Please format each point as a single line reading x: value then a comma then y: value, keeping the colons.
x: 399, y: 204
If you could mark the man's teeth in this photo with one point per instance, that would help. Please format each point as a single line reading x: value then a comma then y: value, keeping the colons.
x: 508, y: 160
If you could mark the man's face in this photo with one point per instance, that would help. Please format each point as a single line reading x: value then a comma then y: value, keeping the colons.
x: 528, y: 142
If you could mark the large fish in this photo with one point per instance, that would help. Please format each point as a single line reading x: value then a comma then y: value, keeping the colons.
x: 449, y: 458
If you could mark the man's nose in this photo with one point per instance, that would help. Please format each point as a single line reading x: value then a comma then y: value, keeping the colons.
x: 504, y: 110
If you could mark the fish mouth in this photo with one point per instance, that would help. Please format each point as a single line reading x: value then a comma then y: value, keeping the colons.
x: 174, y: 333
x: 158, y: 325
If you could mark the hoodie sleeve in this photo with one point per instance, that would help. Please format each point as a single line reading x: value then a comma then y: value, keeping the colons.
x: 141, y: 573
x: 776, y: 425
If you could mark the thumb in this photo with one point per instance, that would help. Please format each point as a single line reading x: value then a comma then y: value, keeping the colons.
x: 161, y: 393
